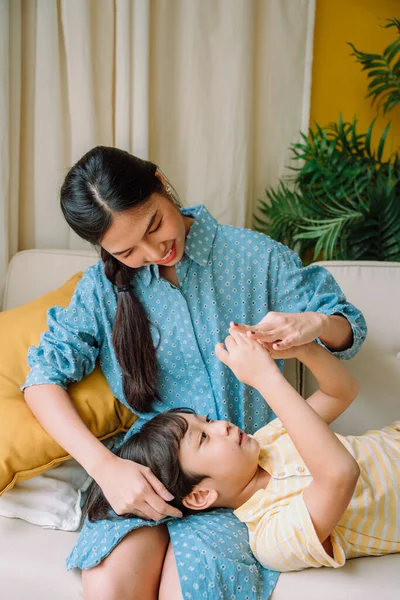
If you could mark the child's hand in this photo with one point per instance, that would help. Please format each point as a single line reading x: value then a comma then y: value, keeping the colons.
x: 280, y: 354
x: 250, y: 362
x: 296, y: 352
x: 276, y: 354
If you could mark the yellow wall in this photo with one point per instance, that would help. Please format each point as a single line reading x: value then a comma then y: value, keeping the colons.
x: 338, y: 84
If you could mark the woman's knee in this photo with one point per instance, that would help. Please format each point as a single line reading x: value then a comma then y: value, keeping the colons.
x: 99, y: 584
x: 133, y: 569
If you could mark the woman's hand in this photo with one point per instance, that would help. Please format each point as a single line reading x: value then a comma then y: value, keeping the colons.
x: 132, y: 488
x: 286, y: 330
x: 249, y: 360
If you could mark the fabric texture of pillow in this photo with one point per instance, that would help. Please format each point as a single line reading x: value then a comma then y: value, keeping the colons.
x: 26, y: 449
x: 52, y: 500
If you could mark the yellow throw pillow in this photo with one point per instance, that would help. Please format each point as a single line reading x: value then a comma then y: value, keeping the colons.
x: 26, y: 449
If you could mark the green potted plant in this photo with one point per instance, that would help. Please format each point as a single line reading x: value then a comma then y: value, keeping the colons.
x: 343, y: 202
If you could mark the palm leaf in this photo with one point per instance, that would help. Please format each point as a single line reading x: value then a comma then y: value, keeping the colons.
x: 383, y: 72
x: 381, y: 145
x: 343, y: 201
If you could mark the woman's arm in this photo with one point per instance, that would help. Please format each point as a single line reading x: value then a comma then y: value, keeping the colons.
x: 335, y: 472
x: 53, y: 408
x: 304, y: 304
x: 337, y: 333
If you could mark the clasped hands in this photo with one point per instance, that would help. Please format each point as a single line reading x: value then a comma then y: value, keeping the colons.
x: 283, y: 335
x: 280, y: 333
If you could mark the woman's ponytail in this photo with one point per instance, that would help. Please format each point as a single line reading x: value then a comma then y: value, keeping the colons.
x: 132, y: 340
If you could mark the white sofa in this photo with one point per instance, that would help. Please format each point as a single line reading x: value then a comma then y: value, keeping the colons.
x: 32, y: 558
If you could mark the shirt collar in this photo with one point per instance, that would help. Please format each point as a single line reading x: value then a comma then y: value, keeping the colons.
x: 201, y: 234
x: 146, y: 274
x: 198, y: 243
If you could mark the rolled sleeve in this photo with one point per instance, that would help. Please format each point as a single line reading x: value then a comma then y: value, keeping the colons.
x: 67, y: 352
x: 328, y: 298
x: 312, y: 289
x: 287, y: 541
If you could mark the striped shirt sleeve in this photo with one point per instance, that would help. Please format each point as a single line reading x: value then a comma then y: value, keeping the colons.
x: 286, y: 540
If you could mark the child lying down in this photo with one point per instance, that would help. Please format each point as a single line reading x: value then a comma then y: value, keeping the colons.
x: 309, y: 497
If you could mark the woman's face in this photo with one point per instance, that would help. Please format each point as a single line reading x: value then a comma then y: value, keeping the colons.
x: 222, y: 452
x: 153, y: 233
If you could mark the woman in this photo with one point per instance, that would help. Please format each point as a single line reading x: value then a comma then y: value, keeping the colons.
x: 169, y: 284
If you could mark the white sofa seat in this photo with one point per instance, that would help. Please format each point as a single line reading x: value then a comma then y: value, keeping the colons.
x: 32, y: 559
x: 32, y: 563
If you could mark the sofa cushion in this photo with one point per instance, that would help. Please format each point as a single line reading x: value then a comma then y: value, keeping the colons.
x: 369, y: 578
x: 25, y: 448
x: 374, y: 288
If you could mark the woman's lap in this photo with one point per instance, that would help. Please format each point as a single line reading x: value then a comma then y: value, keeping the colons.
x: 127, y: 572
x: 212, y: 553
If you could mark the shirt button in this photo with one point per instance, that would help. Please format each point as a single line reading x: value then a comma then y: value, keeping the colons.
x: 281, y: 473
x: 301, y: 469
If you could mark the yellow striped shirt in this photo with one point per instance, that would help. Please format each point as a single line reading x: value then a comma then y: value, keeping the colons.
x: 282, y: 535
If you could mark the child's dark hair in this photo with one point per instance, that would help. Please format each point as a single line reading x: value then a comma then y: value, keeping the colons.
x: 104, y: 182
x: 155, y: 446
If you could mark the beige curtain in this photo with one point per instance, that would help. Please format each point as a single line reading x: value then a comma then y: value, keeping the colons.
x: 230, y: 89
x: 214, y: 91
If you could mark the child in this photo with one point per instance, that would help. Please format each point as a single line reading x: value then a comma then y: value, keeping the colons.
x: 309, y: 497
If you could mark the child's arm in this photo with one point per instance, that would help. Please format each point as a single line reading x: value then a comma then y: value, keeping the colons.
x: 337, y: 387
x: 335, y: 472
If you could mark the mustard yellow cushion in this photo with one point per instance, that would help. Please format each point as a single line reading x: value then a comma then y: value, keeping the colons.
x: 26, y: 449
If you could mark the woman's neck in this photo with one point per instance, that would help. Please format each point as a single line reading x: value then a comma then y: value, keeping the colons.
x: 188, y: 223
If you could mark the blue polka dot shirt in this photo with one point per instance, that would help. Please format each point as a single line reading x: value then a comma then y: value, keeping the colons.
x: 226, y: 274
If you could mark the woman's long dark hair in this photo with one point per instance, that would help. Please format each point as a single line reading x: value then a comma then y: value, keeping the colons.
x: 155, y: 446
x: 106, y: 181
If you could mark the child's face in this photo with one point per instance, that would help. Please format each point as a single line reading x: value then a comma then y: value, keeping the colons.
x: 222, y: 452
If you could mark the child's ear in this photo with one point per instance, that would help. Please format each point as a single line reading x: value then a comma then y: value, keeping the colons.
x: 200, y: 499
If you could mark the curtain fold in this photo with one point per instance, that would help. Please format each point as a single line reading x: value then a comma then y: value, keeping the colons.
x: 132, y: 55
x: 10, y: 110
x: 214, y: 91
x: 283, y: 67
x: 201, y: 90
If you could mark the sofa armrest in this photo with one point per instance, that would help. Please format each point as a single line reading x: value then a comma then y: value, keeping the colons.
x: 32, y: 273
